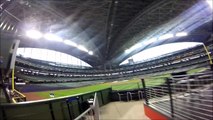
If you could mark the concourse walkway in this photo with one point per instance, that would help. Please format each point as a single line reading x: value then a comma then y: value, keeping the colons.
x: 133, y: 110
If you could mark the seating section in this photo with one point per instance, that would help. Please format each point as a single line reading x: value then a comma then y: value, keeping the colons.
x: 187, y: 59
x: 54, y: 86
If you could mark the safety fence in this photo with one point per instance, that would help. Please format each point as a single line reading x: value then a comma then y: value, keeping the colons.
x: 183, y: 97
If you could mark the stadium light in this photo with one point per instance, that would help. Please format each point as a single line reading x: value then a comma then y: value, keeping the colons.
x: 1, y: 24
x: 68, y: 42
x: 34, y: 34
x: 12, y: 28
x: 52, y: 37
x: 8, y: 27
x: 166, y: 36
x: 80, y: 47
x: 90, y: 53
x: 181, y: 34
x: 4, y: 26
x: 210, y: 2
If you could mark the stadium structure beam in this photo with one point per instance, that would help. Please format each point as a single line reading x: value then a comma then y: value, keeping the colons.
x: 13, y: 82
x: 207, y: 52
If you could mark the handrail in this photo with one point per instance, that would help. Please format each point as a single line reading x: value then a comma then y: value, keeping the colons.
x: 92, y: 109
x: 13, y: 100
x: 140, y: 95
x: 20, y: 93
x: 95, y: 96
x: 119, y: 95
x: 80, y: 116
x: 129, y: 93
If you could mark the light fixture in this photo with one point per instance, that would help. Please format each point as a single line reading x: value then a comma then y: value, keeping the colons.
x: 181, y: 34
x: 166, y: 36
x: 80, y: 47
x: 210, y: 2
x: 52, y: 37
x: 90, y: 53
x: 34, y: 34
x: 4, y: 26
x: 8, y: 27
x: 1, y: 24
x: 12, y: 28
x: 68, y: 42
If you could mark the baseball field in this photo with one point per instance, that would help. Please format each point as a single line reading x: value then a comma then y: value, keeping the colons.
x: 133, y: 83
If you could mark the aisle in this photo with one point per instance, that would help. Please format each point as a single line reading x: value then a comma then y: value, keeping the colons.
x: 123, y: 111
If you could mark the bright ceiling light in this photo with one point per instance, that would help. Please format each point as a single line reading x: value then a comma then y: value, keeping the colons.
x: 68, y: 42
x: 8, y: 27
x: 180, y: 34
x: 152, y: 40
x: 210, y: 2
x: 1, y: 24
x: 34, y: 34
x: 52, y: 37
x: 4, y: 26
x: 80, y: 47
x: 12, y: 28
x: 166, y: 36
x: 90, y: 53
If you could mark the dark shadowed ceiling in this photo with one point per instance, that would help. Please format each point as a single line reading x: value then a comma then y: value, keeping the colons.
x: 106, y: 27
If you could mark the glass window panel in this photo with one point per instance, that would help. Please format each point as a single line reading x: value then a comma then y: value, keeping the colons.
x: 20, y: 51
x: 160, y: 51
x: 63, y: 58
x: 57, y: 57
x: 43, y: 54
x: 27, y: 52
x: 36, y: 54
x: 50, y: 55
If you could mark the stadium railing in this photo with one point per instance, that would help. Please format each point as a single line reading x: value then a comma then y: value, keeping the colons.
x: 183, y: 97
x: 18, y: 97
x: 92, y: 113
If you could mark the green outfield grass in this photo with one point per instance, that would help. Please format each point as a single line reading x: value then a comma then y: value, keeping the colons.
x: 120, y: 85
x: 133, y: 83
x: 196, y: 70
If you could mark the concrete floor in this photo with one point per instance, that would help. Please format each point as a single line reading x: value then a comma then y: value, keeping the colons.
x: 123, y: 111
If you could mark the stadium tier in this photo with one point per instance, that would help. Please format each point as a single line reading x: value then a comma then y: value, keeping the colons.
x: 187, y: 59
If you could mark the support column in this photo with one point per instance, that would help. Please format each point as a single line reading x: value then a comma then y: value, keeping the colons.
x: 144, y: 91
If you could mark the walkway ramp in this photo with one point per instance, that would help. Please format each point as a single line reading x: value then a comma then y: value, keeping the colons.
x: 123, y: 111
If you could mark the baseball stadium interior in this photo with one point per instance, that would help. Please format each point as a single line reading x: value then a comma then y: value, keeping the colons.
x: 106, y: 59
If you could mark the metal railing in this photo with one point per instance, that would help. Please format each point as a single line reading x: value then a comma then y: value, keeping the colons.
x: 18, y: 97
x: 92, y: 113
x: 184, y: 97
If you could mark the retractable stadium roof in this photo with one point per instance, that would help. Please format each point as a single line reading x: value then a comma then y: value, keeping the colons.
x: 106, y: 27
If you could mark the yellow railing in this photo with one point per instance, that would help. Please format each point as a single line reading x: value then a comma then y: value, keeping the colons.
x: 207, y: 52
x: 18, y: 97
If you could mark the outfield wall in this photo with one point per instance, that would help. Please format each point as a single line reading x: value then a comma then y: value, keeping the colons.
x: 68, y: 107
